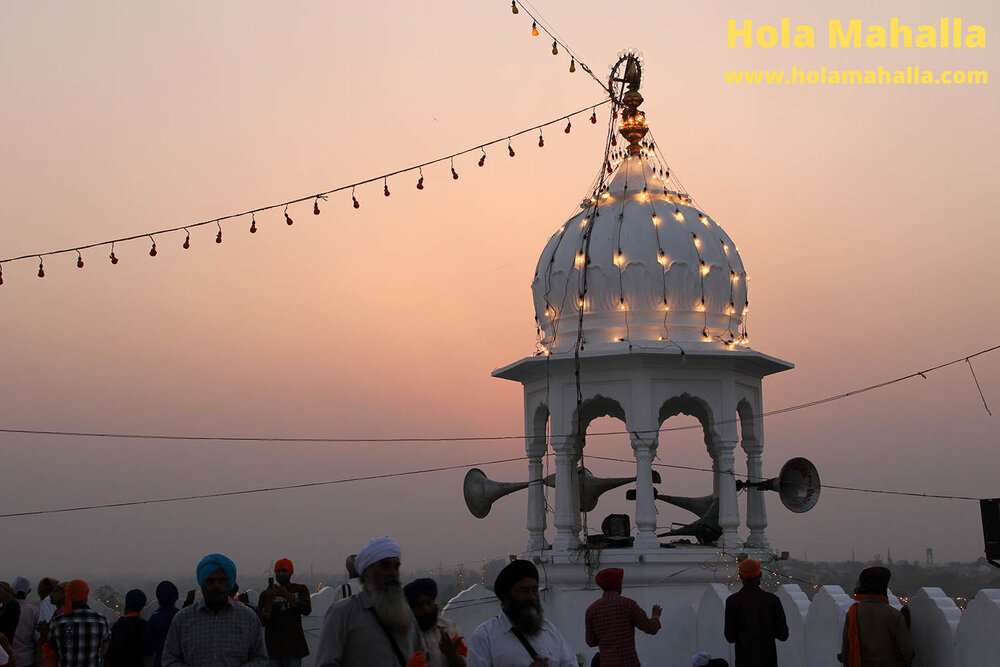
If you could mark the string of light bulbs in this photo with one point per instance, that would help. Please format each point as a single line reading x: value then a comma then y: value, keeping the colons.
x: 491, y: 438
x: 314, y: 198
x: 537, y: 23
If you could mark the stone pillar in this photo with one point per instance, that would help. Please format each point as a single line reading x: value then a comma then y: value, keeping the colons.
x: 756, y: 509
x: 567, y: 511
x: 644, y: 446
x: 536, y: 496
x: 729, y: 515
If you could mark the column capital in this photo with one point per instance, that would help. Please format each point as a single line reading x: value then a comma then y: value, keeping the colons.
x: 643, y: 441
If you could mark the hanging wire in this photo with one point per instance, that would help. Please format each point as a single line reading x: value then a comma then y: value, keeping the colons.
x: 310, y: 197
x: 492, y: 438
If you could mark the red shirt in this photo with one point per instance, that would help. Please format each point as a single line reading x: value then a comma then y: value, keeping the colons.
x: 611, y: 623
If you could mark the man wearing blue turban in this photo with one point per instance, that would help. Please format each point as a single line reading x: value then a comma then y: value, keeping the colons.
x: 215, y: 631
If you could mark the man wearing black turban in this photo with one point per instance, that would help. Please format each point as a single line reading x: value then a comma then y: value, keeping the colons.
x: 519, y: 632
x: 875, y: 634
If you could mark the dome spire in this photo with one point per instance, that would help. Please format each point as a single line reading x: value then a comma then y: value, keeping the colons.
x: 633, y: 124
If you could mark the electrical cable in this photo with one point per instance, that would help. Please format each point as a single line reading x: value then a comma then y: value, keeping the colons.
x: 257, y: 490
x: 486, y: 438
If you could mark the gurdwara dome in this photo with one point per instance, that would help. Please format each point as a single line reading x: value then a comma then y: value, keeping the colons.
x: 643, y: 263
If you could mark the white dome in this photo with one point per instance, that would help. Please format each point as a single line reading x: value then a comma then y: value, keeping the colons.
x: 657, y: 271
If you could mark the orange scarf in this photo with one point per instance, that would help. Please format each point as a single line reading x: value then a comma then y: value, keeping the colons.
x: 853, y: 637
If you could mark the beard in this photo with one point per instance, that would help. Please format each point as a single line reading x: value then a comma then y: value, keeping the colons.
x: 428, y: 621
x: 389, y: 604
x: 525, y: 616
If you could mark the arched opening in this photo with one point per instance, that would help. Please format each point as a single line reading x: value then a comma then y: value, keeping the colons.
x: 686, y: 431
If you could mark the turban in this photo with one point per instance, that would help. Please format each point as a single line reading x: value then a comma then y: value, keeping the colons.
x: 76, y: 591
x: 284, y: 564
x: 135, y: 600
x: 749, y: 568
x: 376, y: 550
x: 700, y: 659
x: 874, y: 580
x: 213, y: 562
x: 418, y: 587
x: 21, y: 585
x: 513, y: 573
x: 610, y: 578
x: 167, y: 593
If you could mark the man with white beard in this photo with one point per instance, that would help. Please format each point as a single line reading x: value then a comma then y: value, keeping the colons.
x: 374, y: 627
x: 519, y: 635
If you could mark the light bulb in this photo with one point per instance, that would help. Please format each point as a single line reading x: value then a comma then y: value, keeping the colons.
x: 606, y: 195
x: 288, y: 219
x: 697, y: 241
x: 541, y: 139
x: 357, y: 204
x: 701, y: 305
x: 705, y: 336
x: 510, y: 150
x: 736, y: 278
x: 621, y: 304
x: 187, y: 242
x: 218, y: 238
x: 534, y: 29
x: 666, y: 306
x: 454, y: 174
x: 704, y: 267
x: 41, y: 269
x: 656, y: 219
x: 678, y: 215
x: 579, y: 258
x: 253, y: 225
x: 385, y: 189
x: 482, y: 160
x: 593, y: 117
x: 420, y: 183
x: 79, y: 261
x: 152, y: 251
x: 513, y: 7
x: 555, y: 48
x: 316, y: 207
x: 619, y: 257
x: 572, y: 65
x: 746, y: 307
x: 725, y: 246
x: 701, y: 216
x: 569, y: 125
x: 662, y: 258
x: 114, y: 260
x: 579, y: 301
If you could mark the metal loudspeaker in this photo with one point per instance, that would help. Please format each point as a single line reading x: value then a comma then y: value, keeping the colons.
x: 593, y: 487
x: 706, y: 529
x: 797, y: 485
x: 481, y: 492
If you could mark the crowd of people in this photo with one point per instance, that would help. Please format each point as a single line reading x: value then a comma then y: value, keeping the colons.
x: 378, y: 622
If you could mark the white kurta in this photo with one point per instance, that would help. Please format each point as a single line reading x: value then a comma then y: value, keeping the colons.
x: 494, y: 645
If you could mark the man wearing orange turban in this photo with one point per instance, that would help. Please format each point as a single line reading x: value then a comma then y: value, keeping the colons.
x: 282, y: 607
x: 80, y: 636
x: 754, y: 619
x: 611, y: 621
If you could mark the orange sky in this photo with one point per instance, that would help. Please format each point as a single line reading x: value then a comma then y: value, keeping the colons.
x: 864, y: 216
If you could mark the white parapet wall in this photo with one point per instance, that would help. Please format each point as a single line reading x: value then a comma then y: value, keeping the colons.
x: 792, y: 653
x: 711, y: 621
x: 935, y: 619
x: 978, y: 634
x: 823, y: 629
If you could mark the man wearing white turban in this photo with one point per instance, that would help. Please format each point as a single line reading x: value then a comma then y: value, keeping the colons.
x: 374, y: 626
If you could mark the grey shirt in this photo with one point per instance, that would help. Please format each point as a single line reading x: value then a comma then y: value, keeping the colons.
x: 199, y: 638
x: 353, y: 637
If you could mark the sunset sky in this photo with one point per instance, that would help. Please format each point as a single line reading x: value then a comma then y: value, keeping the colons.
x: 865, y: 215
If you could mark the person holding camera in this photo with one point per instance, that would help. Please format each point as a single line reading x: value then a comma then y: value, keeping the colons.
x: 281, y: 607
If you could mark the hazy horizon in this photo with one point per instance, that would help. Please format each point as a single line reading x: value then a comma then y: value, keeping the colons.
x: 863, y: 214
